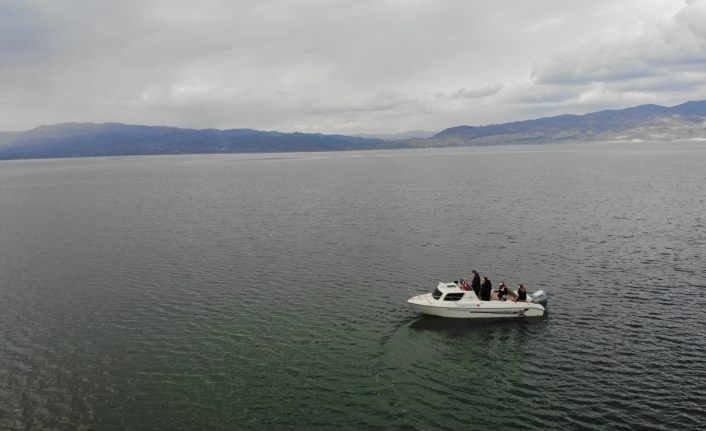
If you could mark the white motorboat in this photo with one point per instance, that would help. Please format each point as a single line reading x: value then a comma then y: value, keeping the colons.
x: 451, y: 300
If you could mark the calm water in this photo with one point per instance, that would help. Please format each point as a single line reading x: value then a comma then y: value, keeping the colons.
x: 268, y: 291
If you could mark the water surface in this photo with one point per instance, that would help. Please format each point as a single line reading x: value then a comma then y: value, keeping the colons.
x: 268, y: 291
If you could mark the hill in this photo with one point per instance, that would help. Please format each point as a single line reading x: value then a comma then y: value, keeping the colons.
x: 113, y: 139
x: 644, y: 122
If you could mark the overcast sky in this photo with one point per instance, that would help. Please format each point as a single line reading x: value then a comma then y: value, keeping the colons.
x: 344, y: 66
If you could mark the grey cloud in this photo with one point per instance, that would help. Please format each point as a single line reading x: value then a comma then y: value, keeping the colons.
x: 353, y: 65
x: 375, y: 104
x: 471, y: 93
x: 21, y: 37
x: 648, y: 50
x: 545, y: 94
x: 675, y: 82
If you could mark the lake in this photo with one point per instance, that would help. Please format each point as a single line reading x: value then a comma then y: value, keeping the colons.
x: 268, y: 291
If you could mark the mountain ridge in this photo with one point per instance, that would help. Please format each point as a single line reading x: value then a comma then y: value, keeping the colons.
x: 642, y: 122
x: 648, y: 121
x: 118, y: 139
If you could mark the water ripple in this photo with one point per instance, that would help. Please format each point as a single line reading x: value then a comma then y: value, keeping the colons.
x: 207, y: 293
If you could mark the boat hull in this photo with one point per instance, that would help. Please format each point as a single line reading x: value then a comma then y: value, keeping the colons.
x: 481, y: 310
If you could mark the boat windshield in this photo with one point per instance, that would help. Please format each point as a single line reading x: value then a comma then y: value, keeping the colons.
x: 454, y: 296
x: 436, y: 294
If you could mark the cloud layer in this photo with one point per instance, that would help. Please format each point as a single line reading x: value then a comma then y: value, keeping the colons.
x: 661, y: 61
x: 348, y: 66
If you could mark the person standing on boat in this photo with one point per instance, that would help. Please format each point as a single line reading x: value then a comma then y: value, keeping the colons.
x: 475, y: 283
x: 485, y: 288
x: 521, y: 293
x: 502, y: 292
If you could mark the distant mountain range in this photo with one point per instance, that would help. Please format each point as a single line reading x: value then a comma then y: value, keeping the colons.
x: 644, y: 122
x: 113, y: 139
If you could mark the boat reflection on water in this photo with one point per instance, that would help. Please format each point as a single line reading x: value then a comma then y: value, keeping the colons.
x: 436, y: 323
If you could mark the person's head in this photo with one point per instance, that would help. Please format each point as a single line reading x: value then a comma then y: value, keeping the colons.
x: 474, y: 272
x: 521, y: 286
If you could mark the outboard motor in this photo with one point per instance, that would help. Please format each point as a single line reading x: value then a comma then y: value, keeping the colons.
x: 540, y: 297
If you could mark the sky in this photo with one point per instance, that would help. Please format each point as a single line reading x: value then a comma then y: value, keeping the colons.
x: 342, y: 66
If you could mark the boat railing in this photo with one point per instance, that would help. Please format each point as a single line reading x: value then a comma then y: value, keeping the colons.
x: 418, y: 292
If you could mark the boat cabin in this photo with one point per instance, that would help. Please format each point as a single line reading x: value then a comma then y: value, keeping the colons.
x: 453, y: 292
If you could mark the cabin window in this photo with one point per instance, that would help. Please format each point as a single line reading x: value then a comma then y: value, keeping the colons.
x: 453, y: 296
x: 436, y: 294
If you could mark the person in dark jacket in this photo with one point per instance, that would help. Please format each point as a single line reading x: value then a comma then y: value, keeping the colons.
x: 521, y: 293
x: 475, y: 283
x: 502, y: 292
x: 485, y: 288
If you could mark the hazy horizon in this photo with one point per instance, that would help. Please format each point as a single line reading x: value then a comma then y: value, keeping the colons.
x: 371, y: 134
